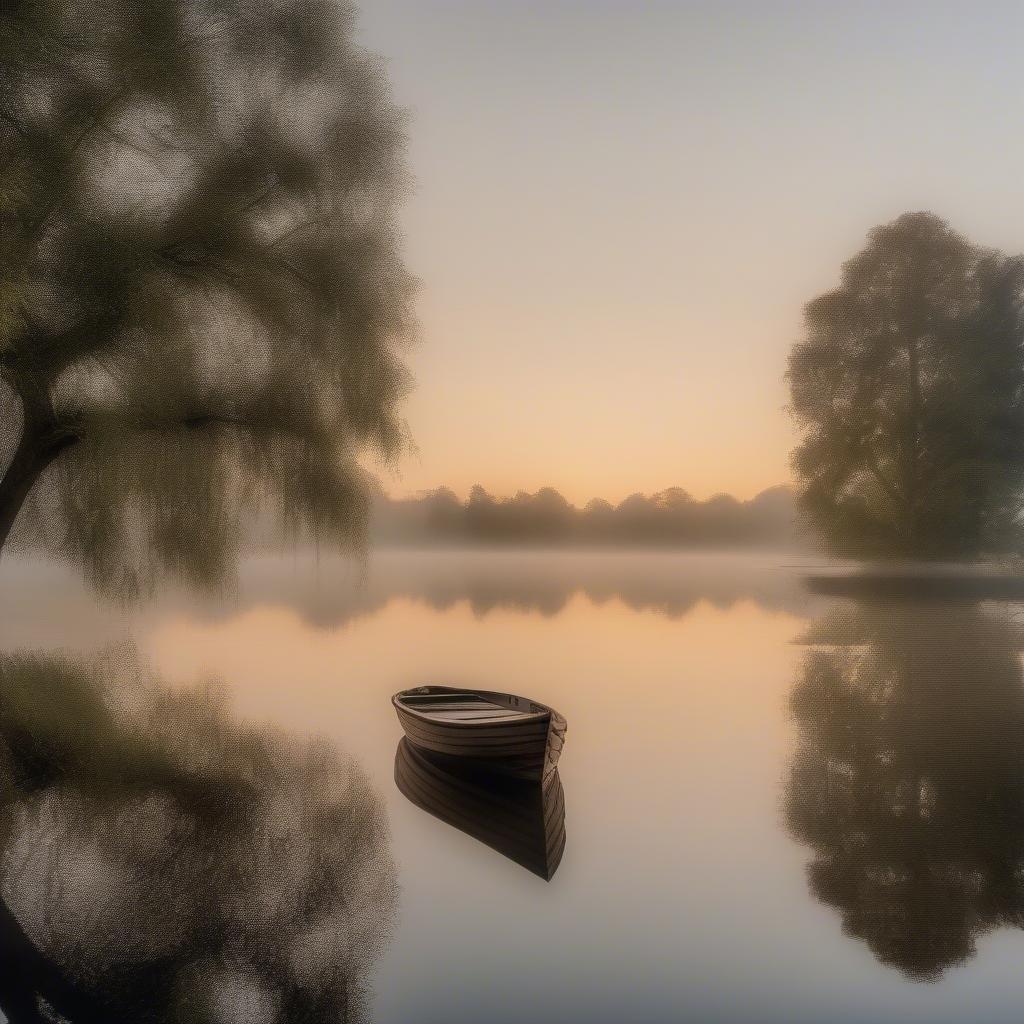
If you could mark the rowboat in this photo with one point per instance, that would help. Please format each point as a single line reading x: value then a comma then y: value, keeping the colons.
x: 498, y: 732
x: 524, y: 821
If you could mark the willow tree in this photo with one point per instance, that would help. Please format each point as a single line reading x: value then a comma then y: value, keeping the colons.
x: 202, y: 299
x: 909, y: 389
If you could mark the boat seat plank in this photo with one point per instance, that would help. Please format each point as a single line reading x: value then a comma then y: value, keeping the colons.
x: 426, y: 706
x: 471, y: 715
x: 469, y: 712
x: 446, y: 698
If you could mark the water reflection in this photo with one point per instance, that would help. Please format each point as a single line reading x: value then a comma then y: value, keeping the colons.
x: 162, y: 862
x: 524, y: 821
x: 331, y: 593
x: 908, y: 781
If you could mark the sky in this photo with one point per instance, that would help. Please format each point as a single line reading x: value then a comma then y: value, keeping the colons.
x: 620, y: 208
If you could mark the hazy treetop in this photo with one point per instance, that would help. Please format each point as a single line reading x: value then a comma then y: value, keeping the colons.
x: 908, y: 386
x: 671, y: 517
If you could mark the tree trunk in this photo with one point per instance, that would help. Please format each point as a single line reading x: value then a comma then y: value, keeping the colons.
x: 36, y: 450
x: 913, y: 439
x: 26, y: 974
x: 916, y: 324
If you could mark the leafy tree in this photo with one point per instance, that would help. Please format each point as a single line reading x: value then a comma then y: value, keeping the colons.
x: 482, y: 519
x: 201, y: 293
x: 596, y: 521
x: 909, y: 387
x: 444, y: 512
x: 545, y: 515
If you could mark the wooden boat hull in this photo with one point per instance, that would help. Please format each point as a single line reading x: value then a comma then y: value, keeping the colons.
x: 523, y: 821
x: 524, y: 747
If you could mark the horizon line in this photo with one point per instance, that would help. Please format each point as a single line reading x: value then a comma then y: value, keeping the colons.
x: 463, y: 498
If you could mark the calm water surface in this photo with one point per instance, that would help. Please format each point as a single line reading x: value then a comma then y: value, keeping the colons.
x: 778, y: 807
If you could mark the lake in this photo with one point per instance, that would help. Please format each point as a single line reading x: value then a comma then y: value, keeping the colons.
x: 777, y: 806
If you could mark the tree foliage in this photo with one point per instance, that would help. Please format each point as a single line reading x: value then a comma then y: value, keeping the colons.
x: 909, y: 389
x: 669, y: 518
x: 202, y: 298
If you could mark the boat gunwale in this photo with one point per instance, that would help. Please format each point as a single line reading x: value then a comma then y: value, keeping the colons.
x: 526, y: 717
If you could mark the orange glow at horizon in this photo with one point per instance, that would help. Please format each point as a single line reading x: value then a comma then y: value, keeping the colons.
x: 618, y: 216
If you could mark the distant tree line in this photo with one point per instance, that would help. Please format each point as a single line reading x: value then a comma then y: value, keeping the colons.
x: 668, y: 518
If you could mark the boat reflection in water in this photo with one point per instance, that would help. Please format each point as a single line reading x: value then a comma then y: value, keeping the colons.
x: 162, y: 862
x: 524, y: 821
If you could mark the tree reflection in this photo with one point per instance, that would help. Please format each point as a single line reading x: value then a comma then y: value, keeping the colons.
x: 908, y: 781
x: 161, y: 862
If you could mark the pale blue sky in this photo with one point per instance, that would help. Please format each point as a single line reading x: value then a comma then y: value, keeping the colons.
x: 620, y: 209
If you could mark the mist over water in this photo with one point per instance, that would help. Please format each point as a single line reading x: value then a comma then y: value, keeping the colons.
x: 703, y: 874
x: 328, y: 593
